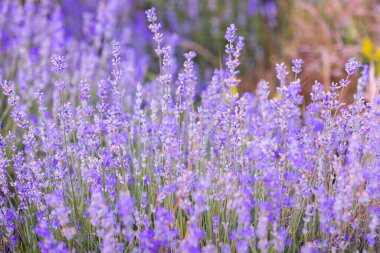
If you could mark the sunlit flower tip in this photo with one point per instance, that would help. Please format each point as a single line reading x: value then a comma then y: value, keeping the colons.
x: 58, y: 63
x: 309, y: 248
x: 61, y: 85
x: 240, y: 43
x: 230, y: 35
x: 352, y: 66
x: 281, y: 72
x: 190, y: 55
x: 297, y: 65
x: 344, y: 83
x: 151, y: 15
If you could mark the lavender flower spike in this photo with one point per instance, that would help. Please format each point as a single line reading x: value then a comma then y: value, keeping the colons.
x: 230, y: 35
x: 352, y: 66
x: 297, y: 65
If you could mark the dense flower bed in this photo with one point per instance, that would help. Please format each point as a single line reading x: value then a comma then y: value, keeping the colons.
x: 131, y: 163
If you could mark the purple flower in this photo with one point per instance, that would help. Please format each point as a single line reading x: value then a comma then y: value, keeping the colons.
x: 233, y: 54
x: 164, y: 233
x: 48, y: 243
x: 155, y: 29
x: 65, y: 112
x: 104, y: 221
x: 7, y: 87
x: 215, y: 224
x: 297, y: 65
x: 344, y: 83
x: 135, y: 166
x: 103, y: 89
x: 61, y: 85
x: 84, y: 90
x: 151, y: 15
x: 230, y: 35
x: 191, y: 242
x: 58, y: 63
x: 126, y: 208
x: 309, y: 248
x: 281, y: 73
x: 363, y: 81
x: 352, y: 66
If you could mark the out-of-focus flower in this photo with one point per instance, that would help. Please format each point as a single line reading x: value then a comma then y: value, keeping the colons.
x: 352, y: 66
x: 58, y: 63
x: 297, y: 65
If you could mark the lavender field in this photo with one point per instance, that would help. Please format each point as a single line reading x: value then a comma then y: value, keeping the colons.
x: 149, y: 126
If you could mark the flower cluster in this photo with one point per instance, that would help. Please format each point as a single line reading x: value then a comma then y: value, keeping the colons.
x: 115, y: 159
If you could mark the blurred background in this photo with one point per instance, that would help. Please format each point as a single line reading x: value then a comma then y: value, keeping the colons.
x: 324, y: 33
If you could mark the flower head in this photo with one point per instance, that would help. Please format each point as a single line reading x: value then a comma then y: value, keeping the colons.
x: 151, y: 15
x: 58, y: 63
x: 230, y: 35
x: 281, y: 71
x: 297, y: 65
x: 352, y: 66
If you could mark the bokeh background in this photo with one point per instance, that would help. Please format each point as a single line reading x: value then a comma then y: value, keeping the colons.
x: 324, y: 33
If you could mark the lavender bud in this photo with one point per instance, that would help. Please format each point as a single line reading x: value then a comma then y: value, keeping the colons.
x: 58, y: 63
x: 352, y: 66
x: 230, y: 35
x: 297, y: 65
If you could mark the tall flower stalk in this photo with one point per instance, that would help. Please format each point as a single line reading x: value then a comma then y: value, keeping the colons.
x: 129, y: 160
